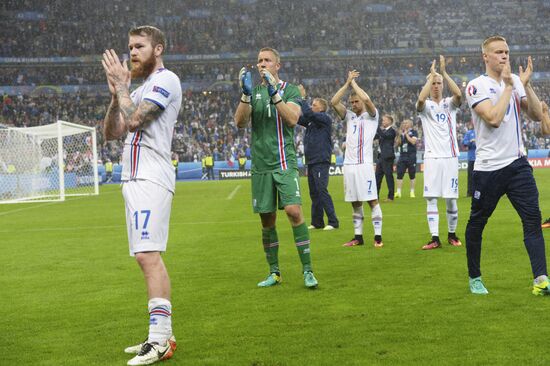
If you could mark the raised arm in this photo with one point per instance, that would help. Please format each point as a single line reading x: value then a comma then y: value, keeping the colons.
x: 494, y: 114
x: 531, y: 105
x: 425, y: 92
x: 133, y: 117
x: 545, y: 121
x: 369, y: 105
x: 455, y: 90
x: 113, y: 126
x: 411, y: 139
x: 244, y: 110
x: 289, y: 112
x: 336, y: 101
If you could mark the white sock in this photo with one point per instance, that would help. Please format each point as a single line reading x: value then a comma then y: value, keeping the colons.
x: 433, y: 216
x: 358, y: 220
x: 452, y: 214
x: 376, y: 215
x: 160, y: 320
x: 399, y: 190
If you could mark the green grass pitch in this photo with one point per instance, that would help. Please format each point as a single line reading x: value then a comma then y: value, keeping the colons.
x: 71, y: 295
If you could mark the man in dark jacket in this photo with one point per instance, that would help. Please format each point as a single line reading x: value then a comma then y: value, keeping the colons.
x: 384, y: 167
x: 318, y: 149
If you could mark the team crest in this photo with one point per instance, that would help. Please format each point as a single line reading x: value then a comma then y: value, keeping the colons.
x: 472, y: 90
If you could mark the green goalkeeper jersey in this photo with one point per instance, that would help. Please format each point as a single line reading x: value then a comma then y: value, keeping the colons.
x: 272, y: 140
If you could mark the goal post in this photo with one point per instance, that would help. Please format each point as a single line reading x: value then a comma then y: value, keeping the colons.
x: 48, y: 163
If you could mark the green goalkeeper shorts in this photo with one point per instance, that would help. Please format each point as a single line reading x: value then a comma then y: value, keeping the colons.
x: 268, y: 189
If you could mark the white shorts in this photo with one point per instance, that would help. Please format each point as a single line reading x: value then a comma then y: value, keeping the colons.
x: 441, y: 177
x: 148, y: 207
x: 360, y: 183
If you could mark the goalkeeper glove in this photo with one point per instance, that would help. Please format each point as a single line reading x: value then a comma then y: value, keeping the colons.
x: 271, y: 86
x: 245, y: 82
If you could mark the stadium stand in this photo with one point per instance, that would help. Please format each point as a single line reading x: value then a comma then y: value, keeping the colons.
x: 50, y: 58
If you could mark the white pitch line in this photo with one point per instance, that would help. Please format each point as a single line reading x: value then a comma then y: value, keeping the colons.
x: 47, y: 204
x: 233, y: 192
x: 27, y: 208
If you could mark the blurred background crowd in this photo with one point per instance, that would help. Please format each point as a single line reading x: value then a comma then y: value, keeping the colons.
x: 58, y: 43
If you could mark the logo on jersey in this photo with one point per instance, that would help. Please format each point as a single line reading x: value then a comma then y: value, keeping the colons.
x: 145, y: 235
x: 472, y: 90
x: 258, y: 96
x: 163, y: 92
x: 477, y: 194
x: 492, y: 91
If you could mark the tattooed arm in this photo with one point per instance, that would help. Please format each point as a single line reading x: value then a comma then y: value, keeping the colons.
x: 135, y: 117
x: 123, y: 115
x: 113, y: 128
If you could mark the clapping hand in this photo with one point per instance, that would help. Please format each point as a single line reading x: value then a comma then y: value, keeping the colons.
x: 507, y: 74
x: 352, y: 75
x: 117, y: 72
x: 245, y: 81
x: 525, y: 75
x: 442, y: 68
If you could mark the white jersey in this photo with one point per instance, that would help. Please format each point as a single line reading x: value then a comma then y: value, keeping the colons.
x: 496, y: 147
x: 439, y: 127
x: 147, y: 152
x: 360, y: 133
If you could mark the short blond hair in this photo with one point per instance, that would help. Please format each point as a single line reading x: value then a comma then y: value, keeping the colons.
x: 490, y: 40
x: 273, y: 51
x: 323, y: 103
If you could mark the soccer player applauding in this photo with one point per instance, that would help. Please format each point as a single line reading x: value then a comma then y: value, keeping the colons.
x: 501, y: 166
x: 359, y: 178
x: 274, y: 109
x: 438, y: 116
x: 147, y: 118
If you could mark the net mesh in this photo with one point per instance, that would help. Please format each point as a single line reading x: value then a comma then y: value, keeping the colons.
x: 30, y: 165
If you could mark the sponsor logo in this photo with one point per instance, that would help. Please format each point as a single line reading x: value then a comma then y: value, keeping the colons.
x: 163, y: 92
x: 234, y: 174
x: 472, y: 90
x: 258, y: 96
x: 492, y: 91
x: 477, y: 194
x: 145, y: 235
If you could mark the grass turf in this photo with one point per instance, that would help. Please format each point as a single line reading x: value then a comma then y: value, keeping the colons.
x: 72, y: 296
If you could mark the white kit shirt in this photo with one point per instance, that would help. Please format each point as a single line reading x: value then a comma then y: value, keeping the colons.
x: 360, y: 131
x: 496, y: 147
x: 439, y: 127
x: 147, y: 152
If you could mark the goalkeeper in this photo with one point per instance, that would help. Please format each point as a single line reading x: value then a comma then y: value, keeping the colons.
x: 273, y: 108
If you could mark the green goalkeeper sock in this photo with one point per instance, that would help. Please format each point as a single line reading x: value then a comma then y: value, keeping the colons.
x: 271, y: 248
x: 301, y: 238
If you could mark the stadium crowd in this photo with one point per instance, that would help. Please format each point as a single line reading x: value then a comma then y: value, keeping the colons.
x: 205, y: 123
x: 292, y: 69
x: 57, y: 27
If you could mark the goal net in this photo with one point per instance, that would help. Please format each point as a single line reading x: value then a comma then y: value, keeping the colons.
x: 47, y: 163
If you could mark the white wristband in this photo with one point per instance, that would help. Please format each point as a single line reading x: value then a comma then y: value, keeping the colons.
x: 276, y: 98
x: 245, y: 98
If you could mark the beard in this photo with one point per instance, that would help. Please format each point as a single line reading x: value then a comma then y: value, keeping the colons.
x: 142, y: 69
